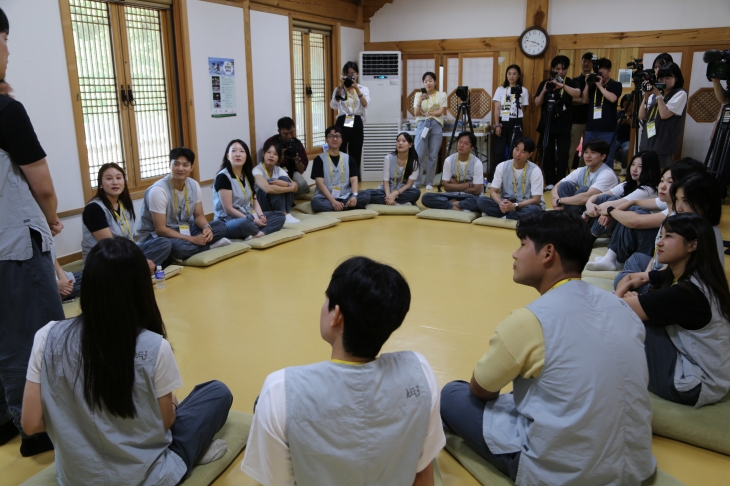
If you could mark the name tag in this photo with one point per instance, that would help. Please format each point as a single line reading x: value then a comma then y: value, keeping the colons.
x: 185, y: 229
x: 505, y: 115
x: 650, y: 129
x: 424, y: 133
x: 336, y: 192
x: 597, y: 113
x: 349, y: 121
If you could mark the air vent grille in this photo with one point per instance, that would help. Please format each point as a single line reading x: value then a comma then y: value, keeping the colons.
x: 379, y: 140
x: 380, y: 64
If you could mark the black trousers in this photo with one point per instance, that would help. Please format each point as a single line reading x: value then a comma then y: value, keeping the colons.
x: 500, y: 145
x: 554, y: 169
x: 352, y: 137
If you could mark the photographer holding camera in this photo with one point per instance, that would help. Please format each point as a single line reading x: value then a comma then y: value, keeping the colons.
x: 351, y: 100
x: 662, y: 112
x: 507, y: 113
x: 555, y: 95
x: 294, y: 156
x: 601, y: 96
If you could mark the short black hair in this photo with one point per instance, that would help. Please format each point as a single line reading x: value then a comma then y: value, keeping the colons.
x: 662, y: 59
x: 332, y: 128
x: 564, y: 60
x: 4, y: 23
x: 185, y: 152
x: 374, y: 298
x: 672, y: 69
x: 702, y: 191
x: 527, y: 143
x: 350, y: 65
x: 587, y: 55
x: 285, y: 123
x: 429, y: 73
x: 472, y: 138
x: 598, y: 146
x: 604, y: 63
x: 565, y: 230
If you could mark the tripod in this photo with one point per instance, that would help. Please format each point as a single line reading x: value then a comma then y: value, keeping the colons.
x: 635, y: 103
x: 718, y: 155
x: 463, y: 114
x: 518, y: 126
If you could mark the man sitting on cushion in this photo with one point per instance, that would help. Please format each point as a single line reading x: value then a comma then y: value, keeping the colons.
x: 573, y: 191
x: 580, y: 412
x: 462, y: 178
x: 517, y: 185
x: 358, y: 418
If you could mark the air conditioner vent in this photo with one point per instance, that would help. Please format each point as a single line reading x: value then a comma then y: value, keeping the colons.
x: 379, y: 64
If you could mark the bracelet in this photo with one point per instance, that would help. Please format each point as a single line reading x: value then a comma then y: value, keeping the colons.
x: 207, y: 226
x: 174, y: 405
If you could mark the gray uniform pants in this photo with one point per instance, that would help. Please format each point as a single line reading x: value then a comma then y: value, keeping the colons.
x: 567, y: 189
x: 436, y: 200
x: 596, y: 229
x: 661, y: 357
x: 302, y: 185
x: 626, y: 241
x: 410, y: 195
x: 636, y: 263
x: 321, y: 204
x: 240, y: 228
x: 487, y: 205
x: 182, y: 249
x: 276, y: 202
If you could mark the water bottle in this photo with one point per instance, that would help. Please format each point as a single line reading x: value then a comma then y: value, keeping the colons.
x: 325, y: 148
x: 159, y: 278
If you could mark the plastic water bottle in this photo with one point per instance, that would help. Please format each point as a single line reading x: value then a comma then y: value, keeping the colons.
x: 159, y: 278
x: 325, y: 148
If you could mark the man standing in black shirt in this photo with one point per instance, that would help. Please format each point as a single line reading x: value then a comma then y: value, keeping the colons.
x: 580, y: 109
x: 28, y: 222
x: 555, y: 96
x: 602, y: 96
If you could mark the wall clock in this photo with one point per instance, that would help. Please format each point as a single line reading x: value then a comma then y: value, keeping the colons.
x: 534, y: 42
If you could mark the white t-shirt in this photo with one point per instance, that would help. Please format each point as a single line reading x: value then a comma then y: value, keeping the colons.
x: 637, y: 194
x: 167, y: 375
x: 268, y: 459
x: 604, y: 181
x: 676, y: 104
x: 509, y: 101
x: 448, y: 170
x: 433, y: 102
x: 661, y: 205
x: 386, y: 171
x: 158, y: 198
x: 352, y: 105
x: 278, y: 172
x: 536, y: 181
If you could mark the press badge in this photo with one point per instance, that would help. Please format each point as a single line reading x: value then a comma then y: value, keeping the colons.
x: 597, y: 113
x: 424, y: 133
x: 336, y: 192
x: 650, y: 129
x: 185, y: 229
x: 349, y: 121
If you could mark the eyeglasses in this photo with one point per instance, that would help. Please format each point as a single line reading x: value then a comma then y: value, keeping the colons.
x: 334, y: 136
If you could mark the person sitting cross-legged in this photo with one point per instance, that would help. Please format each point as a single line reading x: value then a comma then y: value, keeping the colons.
x: 400, y: 172
x: 336, y: 178
x: 361, y: 417
x: 580, y: 412
x: 517, y: 185
x: 275, y: 191
x: 172, y: 208
x: 462, y: 177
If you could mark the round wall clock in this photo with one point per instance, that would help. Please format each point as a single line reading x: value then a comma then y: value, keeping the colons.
x: 534, y: 41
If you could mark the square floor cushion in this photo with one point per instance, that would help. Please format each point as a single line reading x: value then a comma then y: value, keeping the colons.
x: 707, y: 427
x: 403, y: 210
x: 311, y: 222
x: 75, y: 266
x: 273, y: 239
x: 307, y: 196
x: 351, y: 215
x: 211, y: 257
x: 234, y: 432
x: 487, y: 474
x: 601, y: 283
x: 448, y: 215
x: 604, y: 274
x: 496, y: 222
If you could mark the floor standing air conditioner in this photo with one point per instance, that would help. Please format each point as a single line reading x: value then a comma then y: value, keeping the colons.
x: 381, y: 72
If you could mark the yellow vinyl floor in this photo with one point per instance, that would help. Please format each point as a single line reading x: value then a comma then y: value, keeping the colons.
x: 258, y: 312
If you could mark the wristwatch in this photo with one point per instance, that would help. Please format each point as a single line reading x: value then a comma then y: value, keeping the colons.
x: 517, y: 206
x: 557, y: 202
x: 354, y: 194
x: 609, y: 209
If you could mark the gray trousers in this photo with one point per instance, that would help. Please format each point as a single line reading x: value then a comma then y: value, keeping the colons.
x: 182, y: 249
x: 596, y: 229
x: 661, y: 357
x: 241, y: 228
x: 428, y: 149
x: 410, y: 195
x: 626, y: 241
x: 321, y: 204
x: 463, y: 414
x: 567, y: 189
x: 487, y: 205
x: 303, y: 186
x: 636, y: 263
x: 442, y: 200
x: 29, y: 301
x: 276, y: 202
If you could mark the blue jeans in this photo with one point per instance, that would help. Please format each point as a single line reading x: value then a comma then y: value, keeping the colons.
x: 598, y: 230
x: 635, y: 264
x: 435, y: 200
x: 607, y: 137
x: 241, y: 228
x: 626, y: 241
x: 182, y: 249
x: 428, y: 149
x: 487, y: 205
x: 410, y: 195
x: 567, y: 189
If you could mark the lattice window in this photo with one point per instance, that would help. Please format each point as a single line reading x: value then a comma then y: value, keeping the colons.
x: 703, y: 106
x: 299, y: 91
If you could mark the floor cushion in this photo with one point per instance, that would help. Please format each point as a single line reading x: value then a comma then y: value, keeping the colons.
x: 305, y: 207
x: 234, y: 432
x: 311, y: 222
x: 601, y: 283
x: 72, y: 309
x: 75, y: 266
x: 707, y: 427
x: 487, y: 474
x: 496, y: 222
x: 351, y: 215
x: 307, y: 196
x: 604, y: 274
x: 403, y: 210
x: 211, y: 257
x: 448, y: 215
x: 273, y: 239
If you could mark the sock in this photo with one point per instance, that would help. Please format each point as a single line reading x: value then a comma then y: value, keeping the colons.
x: 8, y: 430
x: 608, y: 262
x: 215, y: 450
x: 291, y: 219
x: 221, y: 242
x: 35, y: 445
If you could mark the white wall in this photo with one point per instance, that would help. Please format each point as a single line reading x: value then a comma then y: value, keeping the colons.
x: 630, y: 15
x: 352, y: 42
x: 437, y: 19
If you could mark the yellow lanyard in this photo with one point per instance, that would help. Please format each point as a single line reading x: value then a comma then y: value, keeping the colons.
x: 652, y: 114
x: 514, y: 180
x: 466, y: 166
x: 395, y: 174
x: 353, y: 363
x: 347, y: 104
x: 586, y: 177
x: 430, y: 103
x: 243, y: 188
x: 268, y: 176
x: 187, y: 207
x: 332, y: 170
x: 595, y: 93
x: 124, y: 223
x: 564, y: 281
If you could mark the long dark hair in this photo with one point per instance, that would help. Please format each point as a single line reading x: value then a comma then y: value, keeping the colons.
x: 412, y: 163
x: 704, y: 263
x: 702, y: 192
x: 247, y: 165
x: 651, y: 173
x: 506, y: 80
x: 114, y: 311
x: 124, y: 197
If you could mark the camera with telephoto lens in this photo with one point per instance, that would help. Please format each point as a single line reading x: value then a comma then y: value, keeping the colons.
x: 348, y: 81
x: 593, y: 77
x: 291, y: 148
x: 718, y: 64
x: 646, y: 78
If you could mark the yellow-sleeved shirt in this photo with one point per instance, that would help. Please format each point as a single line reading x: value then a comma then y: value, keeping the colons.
x: 516, y: 349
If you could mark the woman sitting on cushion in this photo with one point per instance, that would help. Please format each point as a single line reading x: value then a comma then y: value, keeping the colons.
x: 400, y: 173
x: 233, y: 197
x: 275, y: 191
x: 102, y: 384
x: 686, y: 313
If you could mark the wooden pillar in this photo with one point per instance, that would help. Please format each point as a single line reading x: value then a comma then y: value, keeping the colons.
x: 533, y: 70
x: 249, y: 78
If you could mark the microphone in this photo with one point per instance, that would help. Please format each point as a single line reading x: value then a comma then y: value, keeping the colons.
x: 713, y: 55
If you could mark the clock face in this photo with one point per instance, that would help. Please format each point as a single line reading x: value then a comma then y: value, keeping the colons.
x: 533, y: 42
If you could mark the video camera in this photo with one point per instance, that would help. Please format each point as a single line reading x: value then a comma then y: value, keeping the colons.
x: 291, y: 148
x: 463, y: 93
x: 644, y: 78
x: 593, y: 77
x: 718, y: 64
x: 550, y: 87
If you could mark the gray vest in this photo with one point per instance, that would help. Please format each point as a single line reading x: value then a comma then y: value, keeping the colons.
x: 175, y: 212
x: 87, y: 238
x: 357, y: 425
x: 508, y: 183
x: 668, y: 136
x: 396, y: 172
x: 239, y: 201
x: 470, y: 165
x: 586, y: 178
x: 587, y: 418
x: 344, y: 164
x: 19, y: 213
x: 94, y: 446
x: 703, y: 356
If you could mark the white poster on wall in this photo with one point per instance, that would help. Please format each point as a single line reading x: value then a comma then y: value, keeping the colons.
x: 222, y: 87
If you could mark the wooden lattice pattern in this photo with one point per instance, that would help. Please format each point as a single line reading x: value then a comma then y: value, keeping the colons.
x: 411, y: 99
x: 481, y: 103
x: 703, y: 106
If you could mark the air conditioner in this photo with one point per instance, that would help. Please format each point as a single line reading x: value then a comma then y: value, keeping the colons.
x: 382, y: 73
